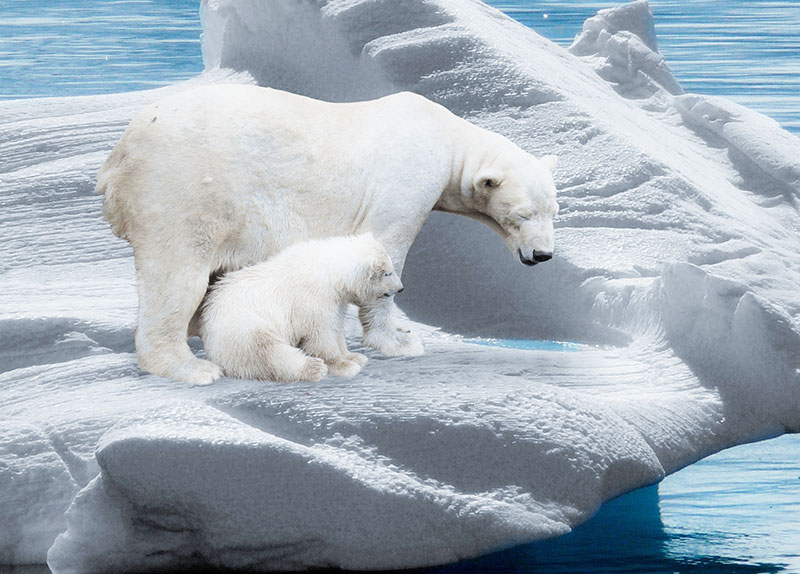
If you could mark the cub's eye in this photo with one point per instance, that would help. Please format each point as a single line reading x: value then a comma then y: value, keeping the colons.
x: 387, y: 274
x: 524, y: 215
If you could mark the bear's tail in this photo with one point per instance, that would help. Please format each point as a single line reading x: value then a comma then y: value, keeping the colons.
x: 114, y: 206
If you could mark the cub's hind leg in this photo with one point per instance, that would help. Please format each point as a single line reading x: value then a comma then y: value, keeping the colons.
x: 261, y: 356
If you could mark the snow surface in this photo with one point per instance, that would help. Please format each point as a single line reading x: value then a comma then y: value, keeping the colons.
x: 676, y: 265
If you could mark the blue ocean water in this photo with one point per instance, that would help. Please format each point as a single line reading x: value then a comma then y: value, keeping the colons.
x: 737, y: 511
x: 527, y: 344
x: 748, y: 50
x: 733, y: 513
x: 79, y: 47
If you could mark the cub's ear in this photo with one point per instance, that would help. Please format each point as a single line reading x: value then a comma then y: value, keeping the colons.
x: 485, y: 181
x: 549, y: 161
x: 376, y: 268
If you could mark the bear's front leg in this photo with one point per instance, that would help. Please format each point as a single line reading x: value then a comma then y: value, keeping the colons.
x: 383, y: 334
x: 326, y: 345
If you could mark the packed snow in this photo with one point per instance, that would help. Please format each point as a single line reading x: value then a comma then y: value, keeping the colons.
x: 676, y: 270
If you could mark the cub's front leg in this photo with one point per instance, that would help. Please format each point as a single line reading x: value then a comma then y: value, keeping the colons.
x: 328, y: 344
x: 359, y: 358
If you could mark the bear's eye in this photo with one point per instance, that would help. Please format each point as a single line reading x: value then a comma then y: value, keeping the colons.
x: 387, y: 274
x: 490, y: 182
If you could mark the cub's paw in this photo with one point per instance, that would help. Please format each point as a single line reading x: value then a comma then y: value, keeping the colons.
x: 314, y: 370
x: 394, y: 342
x: 357, y: 358
x: 344, y: 367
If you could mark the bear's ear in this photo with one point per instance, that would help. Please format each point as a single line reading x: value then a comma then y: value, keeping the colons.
x: 549, y: 161
x: 366, y: 235
x: 485, y: 181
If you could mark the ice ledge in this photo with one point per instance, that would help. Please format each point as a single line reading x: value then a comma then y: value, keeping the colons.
x: 276, y: 505
x: 401, y: 467
x: 749, y: 135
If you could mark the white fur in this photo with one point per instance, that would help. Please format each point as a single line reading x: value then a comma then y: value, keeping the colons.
x: 220, y: 177
x: 283, y: 319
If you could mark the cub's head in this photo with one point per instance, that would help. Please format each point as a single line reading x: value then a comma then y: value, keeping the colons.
x: 515, y: 195
x: 377, y: 277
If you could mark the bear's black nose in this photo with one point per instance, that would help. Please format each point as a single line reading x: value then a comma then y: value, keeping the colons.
x: 540, y: 256
x: 400, y: 290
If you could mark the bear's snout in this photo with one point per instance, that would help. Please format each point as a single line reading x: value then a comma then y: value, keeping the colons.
x: 536, y: 257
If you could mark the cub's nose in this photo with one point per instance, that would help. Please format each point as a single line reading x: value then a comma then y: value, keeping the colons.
x: 400, y: 290
x: 540, y: 256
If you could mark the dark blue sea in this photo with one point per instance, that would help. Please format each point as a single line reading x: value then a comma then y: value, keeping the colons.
x: 735, y: 512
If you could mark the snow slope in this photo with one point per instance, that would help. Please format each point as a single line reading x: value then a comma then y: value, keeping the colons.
x: 676, y: 263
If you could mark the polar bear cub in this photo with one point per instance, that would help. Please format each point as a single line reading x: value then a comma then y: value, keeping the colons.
x: 283, y: 319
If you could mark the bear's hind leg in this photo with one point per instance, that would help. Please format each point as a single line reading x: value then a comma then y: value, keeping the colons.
x: 169, y: 293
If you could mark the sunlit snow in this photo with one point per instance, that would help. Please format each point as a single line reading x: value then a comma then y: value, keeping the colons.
x: 676, y: 277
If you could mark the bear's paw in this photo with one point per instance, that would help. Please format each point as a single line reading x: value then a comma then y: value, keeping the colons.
x: 394, y: 342
x: 195, y: 371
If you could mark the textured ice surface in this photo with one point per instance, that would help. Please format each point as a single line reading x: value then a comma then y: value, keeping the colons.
x: 676, y: 255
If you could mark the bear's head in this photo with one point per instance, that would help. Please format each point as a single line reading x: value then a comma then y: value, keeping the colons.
x: 515, y: 195
x: 376, y: 276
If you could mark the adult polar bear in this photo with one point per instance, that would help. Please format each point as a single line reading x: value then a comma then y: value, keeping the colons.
x: 220, y: 177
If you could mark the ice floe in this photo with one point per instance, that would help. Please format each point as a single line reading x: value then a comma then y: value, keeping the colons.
x: 676, y: 264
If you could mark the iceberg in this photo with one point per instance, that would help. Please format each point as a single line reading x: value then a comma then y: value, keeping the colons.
x: 676, y: 277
